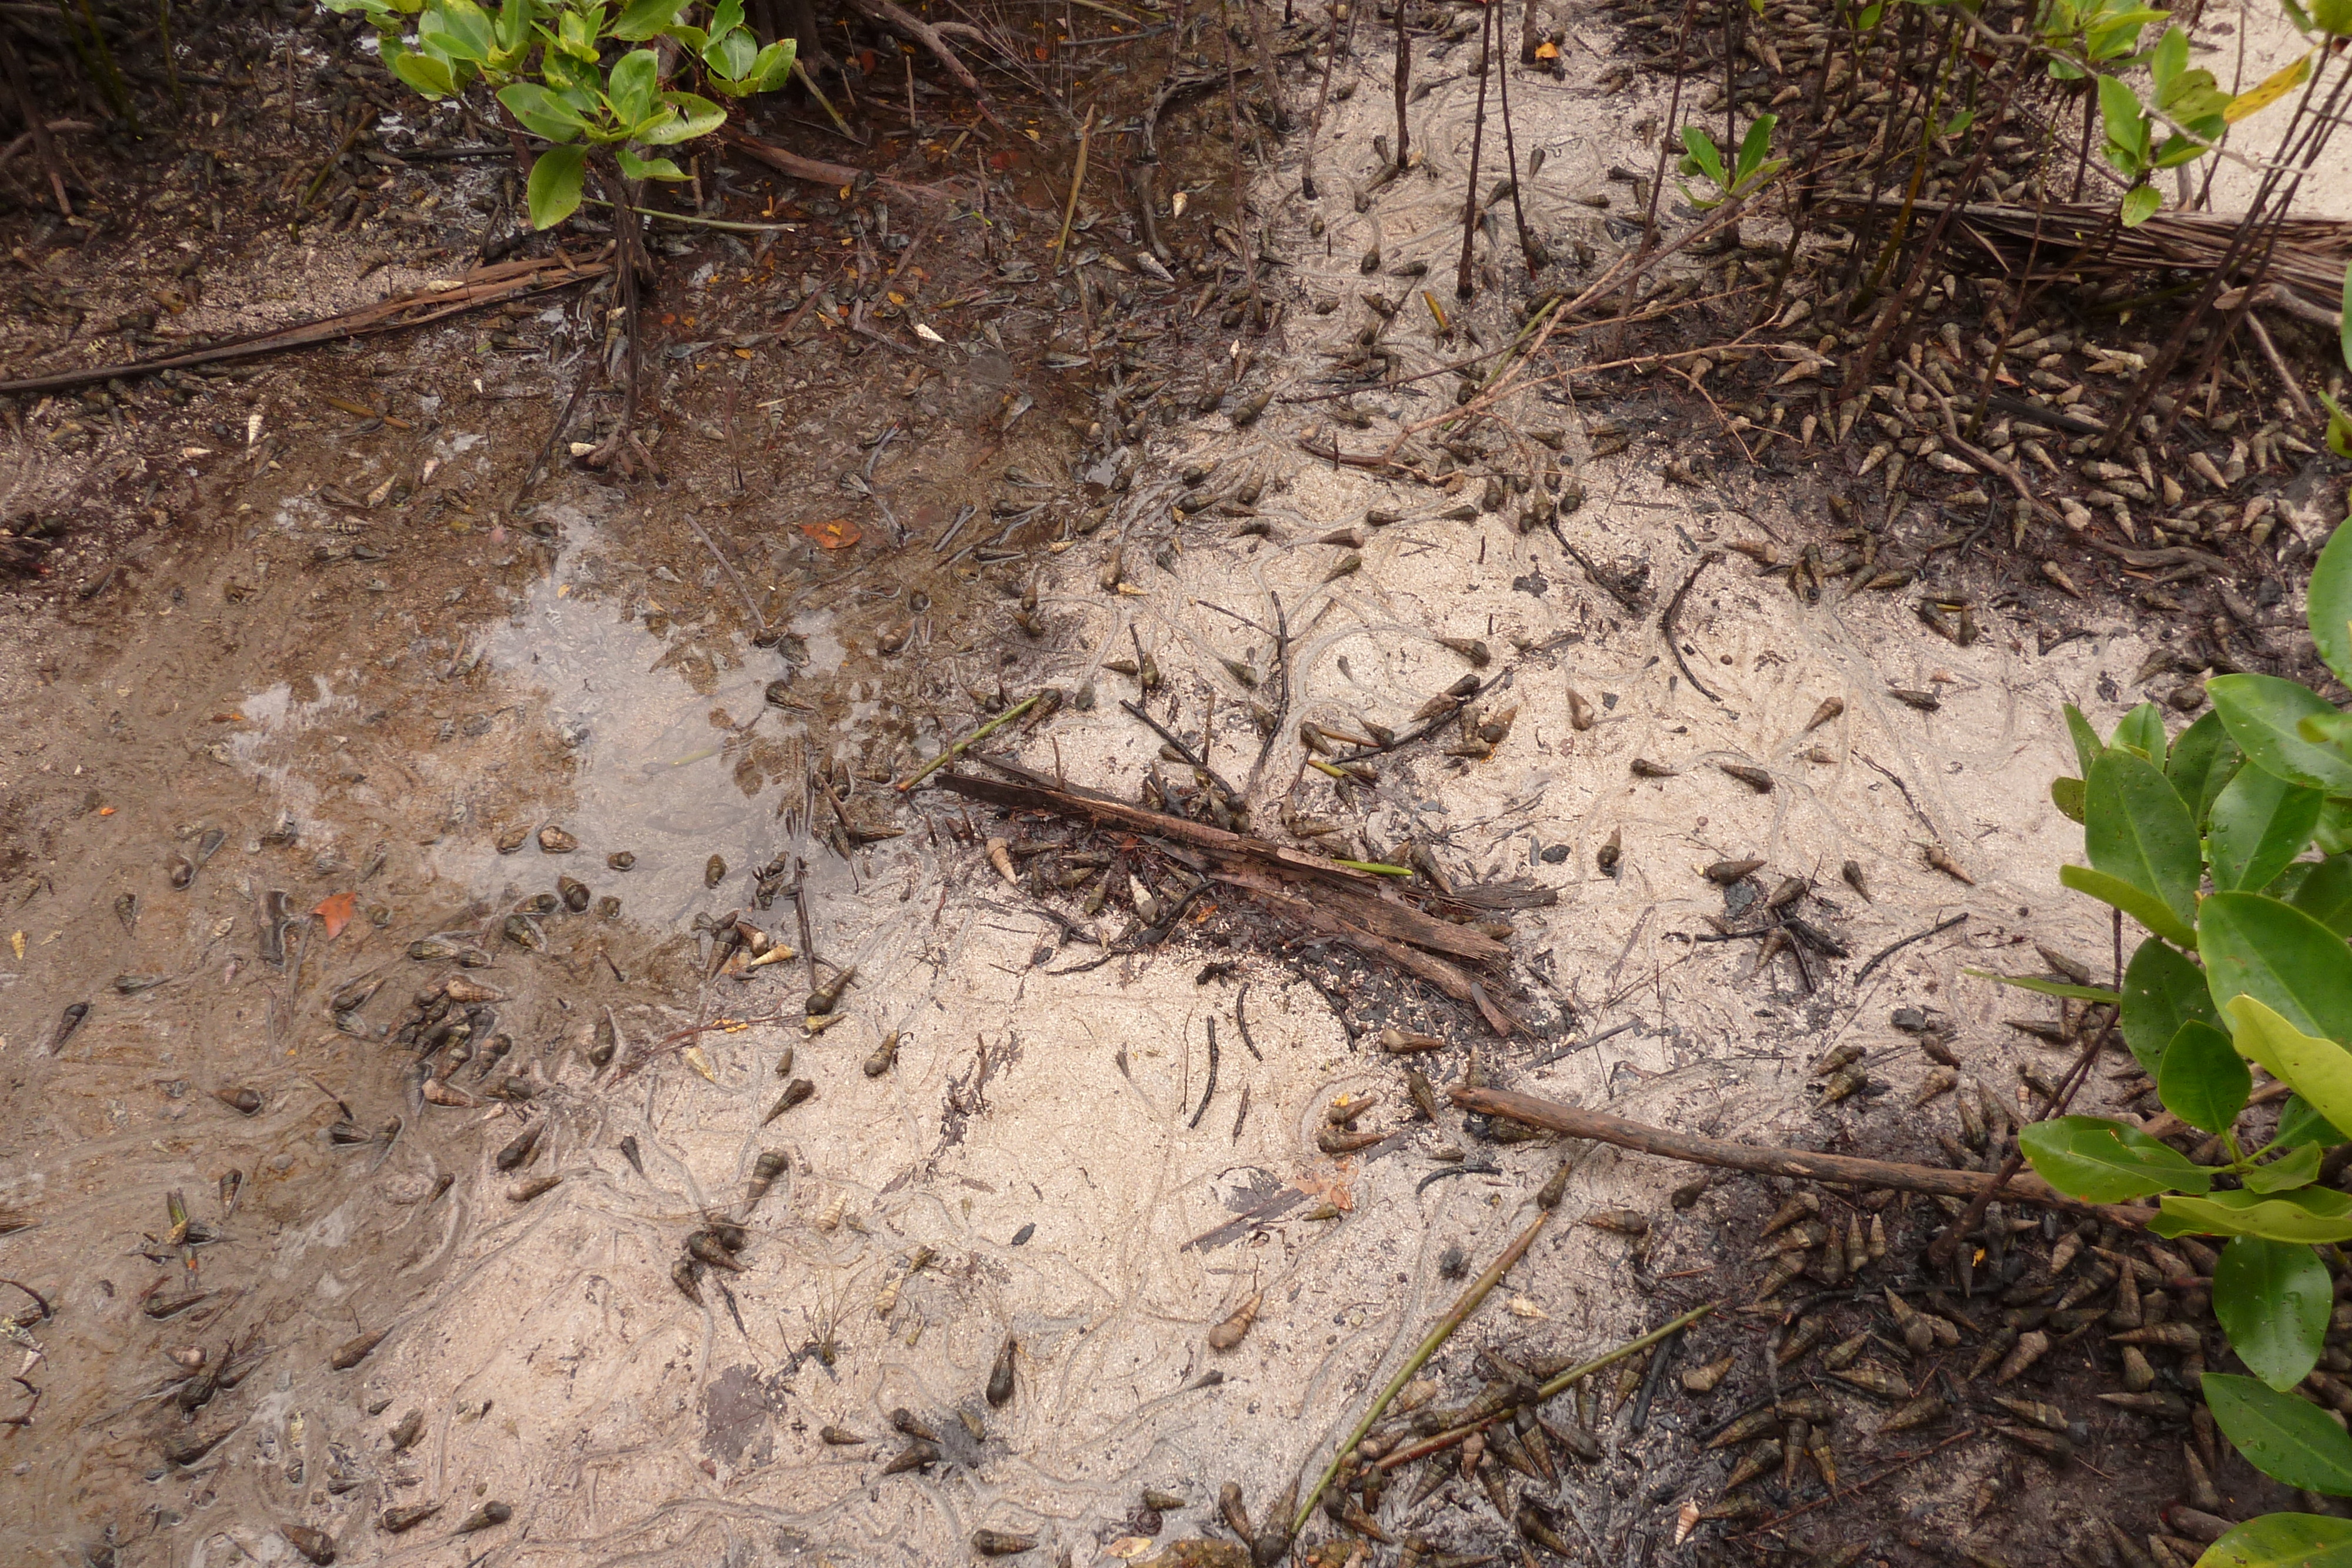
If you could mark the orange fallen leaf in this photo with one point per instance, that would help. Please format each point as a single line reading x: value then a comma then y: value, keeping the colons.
x: 336, y: 911
x: 1547, y: 51
x: 838, y: 534
x: 106, y: 810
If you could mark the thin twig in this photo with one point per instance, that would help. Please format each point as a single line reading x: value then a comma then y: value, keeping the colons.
x: 1547, y: 1201
x: 956, y: 751
x: 1894, y: 947
x: 1666, y: 624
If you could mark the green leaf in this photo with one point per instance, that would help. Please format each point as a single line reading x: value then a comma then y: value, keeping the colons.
x: 2066, y: 794
x: 632, y: 84
x: 2280, y: 1436
x: 696, y: 116
x: 2296, y: 15
x: 2310, y: 1214
x: 458, y: 28
x: 1755, y: 146
x: 543, y: 113
x: 725, y: 17
x: 2273, y: 1299
x: 2119, y: 112
x: 2260, y: 824
x: 731, y: 55
x: 2141, y: 203
x: 2169, y: 60
x: 774, y: 67
x: 1703, y: 155
x: 2318, y: 1070
x: 2255, y: 946
x: 2262, y: 714
x: 2087, y: 743
x: 2331, y: 588
x: 2135, y: 828
x: 2333, y: 18
x: 2284, y: 1541
x: 2339, y: 427
x: 2202, y: 1078
x: 2334, y: 834
x: 2050, y: 988
x: 636, y: 168
x: 641, y: 19
x: 2162, y: 991
x: 2301, y: 1127
x: 426, y: 73
x: 2105, y: 1161
x: 2325, y: 893
x: 554, y: 190
x: 2140, y: 730
x: 2344, y: 322
x: 2147, y: 908
x: 2299, y: 1166
x: 2202, y: 761
x: 1958, y: 123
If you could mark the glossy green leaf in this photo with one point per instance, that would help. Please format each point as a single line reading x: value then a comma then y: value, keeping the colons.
x: 553, y: 192
x: 2066, y: 794
x: 635, y: 167
x: 428, y: 74
x: 2142, y: 202
x: 2256, y: 945
x: 2273, y: 1299
x: 731, y: 55
x: 2301, y: 1127
x: 641, y: 19
x: 775, y: 65
x: 2310, y: 1214
x: 2202, y: 1079
x: 1700, y: 156
x: 2145, y: 907
x: 458, y: 28
x: 2260, y: 824
x: 2120, y: 116
x: 2087, y: 743
x: 2331, y: 588
x: 2280, y: 1435
x: 2105, y: 1161
x: 632, y: 84
x: 2202, y: 761
x: 2262, y: 712
x: 2162, y: 991
x: 2318, y: 1070
x: 2141, y: 731
x: 2135, y: 828
x: 2299, y: 1166
x: 695, y: 117
x: 2333, y: 18
x: 2325, y: 893
x: 2050, y: 987
x: 2284, y: 1541
x: 543, y: 112
x: 2334, y: 834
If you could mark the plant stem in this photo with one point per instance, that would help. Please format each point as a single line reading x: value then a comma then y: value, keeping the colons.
x: 1547, y: 1201
x: 1403, y: 85
x: 1461, y: 289
x: 982, y: 733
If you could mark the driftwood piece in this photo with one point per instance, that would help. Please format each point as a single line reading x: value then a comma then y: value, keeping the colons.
x: 1602, y: 1127
x: 1357, y: 898
x: 483, y: 286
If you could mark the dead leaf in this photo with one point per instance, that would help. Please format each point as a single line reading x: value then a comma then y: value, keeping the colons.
x: 336, y: 911
x: 1547, y: 51
x: 16, y: 940
x: 838, y: 534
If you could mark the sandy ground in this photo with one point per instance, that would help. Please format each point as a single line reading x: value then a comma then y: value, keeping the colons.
x: 1033, y: 1146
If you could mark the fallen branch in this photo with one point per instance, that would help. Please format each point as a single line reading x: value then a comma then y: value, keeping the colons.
x: 483, y: 286
x: 1251, y: 862
x: 1805, y: 1164
x: 1673, y: 638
